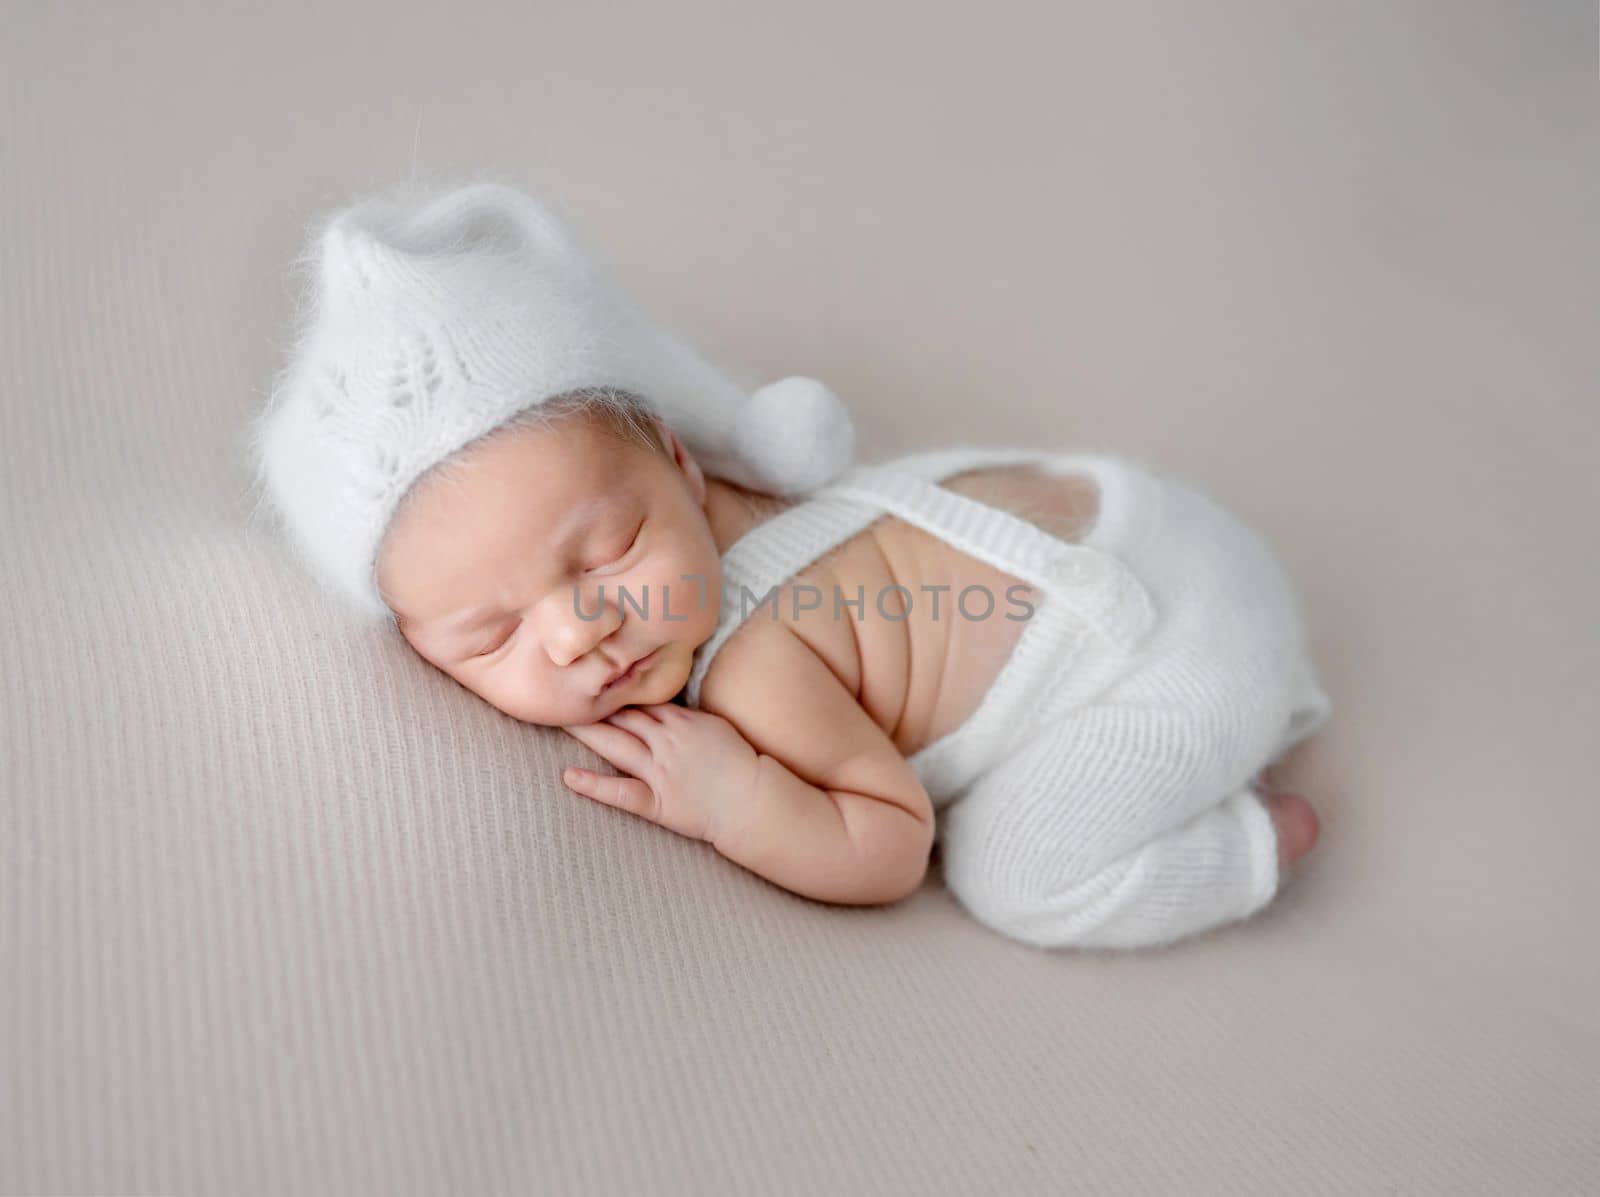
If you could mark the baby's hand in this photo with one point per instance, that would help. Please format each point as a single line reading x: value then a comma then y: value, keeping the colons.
x: 689, y: 768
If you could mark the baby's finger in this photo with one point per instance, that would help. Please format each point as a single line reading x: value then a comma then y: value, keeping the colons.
x: 624, y: 793
x: 635, y: 721
x: 622, y: 748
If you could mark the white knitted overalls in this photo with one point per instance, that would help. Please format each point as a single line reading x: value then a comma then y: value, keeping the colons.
x: 1100, y: 795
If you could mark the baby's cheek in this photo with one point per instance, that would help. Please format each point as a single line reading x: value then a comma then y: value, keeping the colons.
x: 500, y: 691
x: 544, y: 710
x: 679, y: 600
x: 672, y: 674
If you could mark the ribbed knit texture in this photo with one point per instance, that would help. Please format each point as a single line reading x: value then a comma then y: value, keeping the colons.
x: 1099, y: 794
x: 283, y: 911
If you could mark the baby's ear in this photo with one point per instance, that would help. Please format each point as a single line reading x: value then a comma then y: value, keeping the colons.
x: 680, y: 455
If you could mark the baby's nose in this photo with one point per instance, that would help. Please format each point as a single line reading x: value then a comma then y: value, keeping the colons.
x: 580, y: 623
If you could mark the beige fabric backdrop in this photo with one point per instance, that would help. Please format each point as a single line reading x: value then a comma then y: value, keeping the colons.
x: 283, y: 910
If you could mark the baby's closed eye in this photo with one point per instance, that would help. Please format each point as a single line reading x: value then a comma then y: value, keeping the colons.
x: 620, y: 546
x: 497, y: 645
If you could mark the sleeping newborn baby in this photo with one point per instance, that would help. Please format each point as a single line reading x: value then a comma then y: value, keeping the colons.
x: 1065, y: 671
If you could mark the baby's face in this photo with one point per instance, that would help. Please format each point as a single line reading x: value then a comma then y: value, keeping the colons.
x: 511, y: 580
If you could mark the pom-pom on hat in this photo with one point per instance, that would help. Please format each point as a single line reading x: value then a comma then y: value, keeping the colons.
x: 436, y: 314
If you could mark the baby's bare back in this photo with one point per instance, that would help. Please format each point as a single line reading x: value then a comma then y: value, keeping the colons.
x: 921, y: 676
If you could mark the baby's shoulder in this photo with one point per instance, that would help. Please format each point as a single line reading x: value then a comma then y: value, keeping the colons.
x: 773, y: 646
x: 820, y: 607
x: 772, y: 685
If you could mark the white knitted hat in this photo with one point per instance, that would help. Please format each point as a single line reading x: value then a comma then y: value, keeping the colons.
x: 437, y: 314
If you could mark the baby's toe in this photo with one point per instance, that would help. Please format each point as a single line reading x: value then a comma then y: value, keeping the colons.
x: 1296, y: 823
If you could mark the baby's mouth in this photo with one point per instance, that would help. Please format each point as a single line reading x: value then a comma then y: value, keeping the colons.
x: 631, y: 672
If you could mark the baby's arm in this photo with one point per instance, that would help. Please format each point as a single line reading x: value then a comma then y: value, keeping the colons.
x: 836, y: 813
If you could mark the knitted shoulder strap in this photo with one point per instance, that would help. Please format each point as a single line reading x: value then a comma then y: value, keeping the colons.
x: 1093, y: 584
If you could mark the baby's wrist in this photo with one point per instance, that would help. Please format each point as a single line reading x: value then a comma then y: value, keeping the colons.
x: 740, y: 805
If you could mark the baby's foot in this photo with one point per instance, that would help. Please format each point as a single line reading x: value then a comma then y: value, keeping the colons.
x: 1296, y: 824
